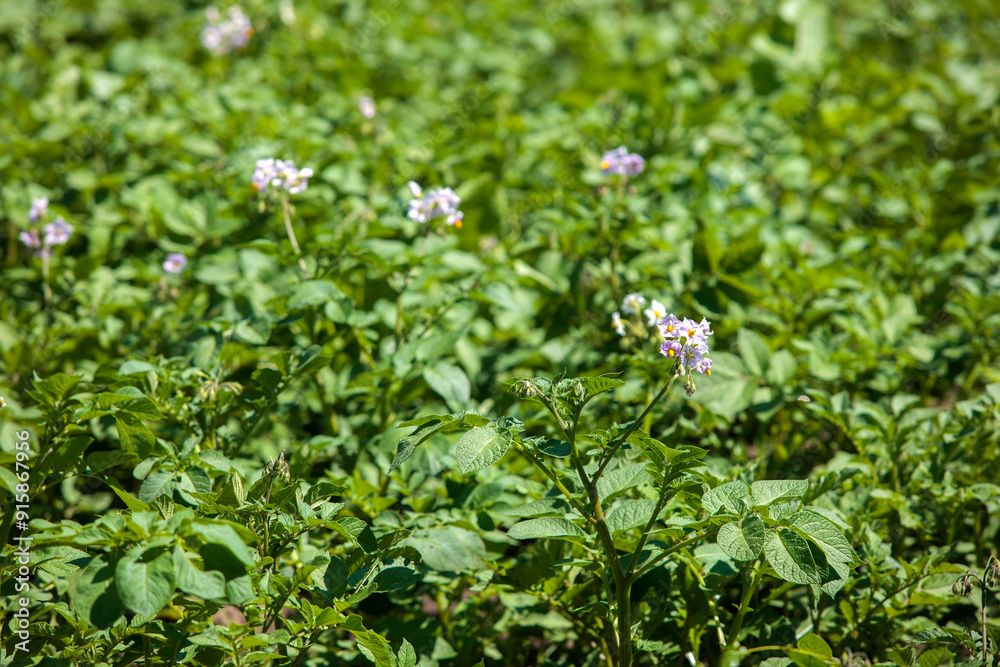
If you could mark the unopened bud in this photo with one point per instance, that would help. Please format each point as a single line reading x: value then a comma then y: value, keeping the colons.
x: 523, y: 389
x: 992, y: 578
x: 963, y: 587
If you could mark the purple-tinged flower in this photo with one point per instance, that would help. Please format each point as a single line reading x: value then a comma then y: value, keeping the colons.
x: 57, y: 233
x: 669, y: 326
x: 686, y: 340
x: 39, y: 207
x: 633, y: 302
x: 30, y: 238
x: 438, y: 203
x: 175, y: 263
x: 280, y: 174
x: 633, y: 164
x: 671, y: 348
x: 619, y: 162
x: 611, y: 161
x: 366, y: 106
x: 617, y: 324
x: 222, y: 36
x: 298, y: 181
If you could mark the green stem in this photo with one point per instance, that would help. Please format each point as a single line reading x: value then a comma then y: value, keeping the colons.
x: 577, y: 505
x: 732, y: 641
x: 286, y: 211
x: 665, y: 497
x: 653, y: 562
x: 635, y: 424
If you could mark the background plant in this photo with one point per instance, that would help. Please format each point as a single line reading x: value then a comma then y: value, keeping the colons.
x: 819, y: 180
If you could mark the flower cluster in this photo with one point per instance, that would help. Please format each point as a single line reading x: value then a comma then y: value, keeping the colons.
x: 53, y: 234
x: 440, y: 202
x: 620, y: 162
x: 686, y: 340
x: 280, y: 174
x: 175, y: 263
x: 222, y: 36
x: 631, y: 305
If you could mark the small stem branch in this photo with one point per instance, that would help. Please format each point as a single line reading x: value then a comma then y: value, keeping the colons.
x: 287, y: 214
x: 672, y: 550
x: 577, y: 505
x: 635, y: 424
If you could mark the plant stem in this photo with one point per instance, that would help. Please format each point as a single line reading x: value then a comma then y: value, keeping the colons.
x: 732, y: 641
x: 577, y: 505
x: 286, y: 210
x: 635, y: 424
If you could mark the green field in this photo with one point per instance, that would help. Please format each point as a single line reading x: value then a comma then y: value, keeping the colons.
x: 573, y: 333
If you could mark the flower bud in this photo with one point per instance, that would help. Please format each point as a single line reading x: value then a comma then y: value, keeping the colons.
x: 992, y: 576
x: 963, y: 587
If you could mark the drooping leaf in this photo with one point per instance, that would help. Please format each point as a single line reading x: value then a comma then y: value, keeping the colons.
x: 826, y: 535
x: 144, y: 579
x: 789, y: 555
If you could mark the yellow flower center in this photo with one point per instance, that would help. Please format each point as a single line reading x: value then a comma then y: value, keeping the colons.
x: 605, y: 164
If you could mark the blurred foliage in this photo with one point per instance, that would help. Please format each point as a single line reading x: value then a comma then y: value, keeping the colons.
x: 821, y: 183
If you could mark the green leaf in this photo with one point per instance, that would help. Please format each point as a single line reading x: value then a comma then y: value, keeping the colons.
x: 144, y: 578
x: 706, y: 253
x: 335, y: 578
x: 619, y: 480
x: 810, y: 659
x: 545, y: 527
x: 95, y: 596
x: 540, y: 507
x: 208, y: 585
x: 815, y: 644
x: 743, y: 540
x: 826, y: 535
x: 406, y: 657
x: 314, y: 293
x: 754, y: 351
x: 481, y: 447
x: 449, y: 381
x: 449, y: 549
x: 157, y: 483
x: 629, y: 514
x: 742, y: 254
x: 430, y: 425
x: 729, y: 496
x: 782, y: 367
x: 766, y: 492
x: 130, y: 501
x: 789, y: 555
x: 135, y: 437
x: 255, y: 330
x: 598, y: 384
x: 224, y: 533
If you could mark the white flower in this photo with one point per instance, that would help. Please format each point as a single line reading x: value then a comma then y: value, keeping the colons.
x: 633, y: 302
x: 616, y: 323
x: 656, y: 312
